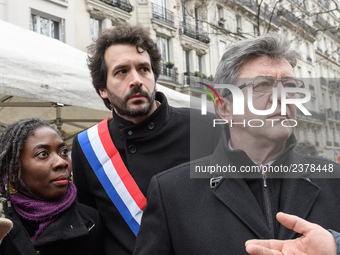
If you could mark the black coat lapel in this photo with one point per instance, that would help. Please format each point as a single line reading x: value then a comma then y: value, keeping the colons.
x: 237, y: 196
x: 235, y: 192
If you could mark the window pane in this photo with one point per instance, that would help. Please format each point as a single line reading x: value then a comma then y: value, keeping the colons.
x: 163, y: 47
x: 94, y: 29
x: 55, y: 29
x: 34, y: 23
x: 187, y: 61
x: 44, y: 26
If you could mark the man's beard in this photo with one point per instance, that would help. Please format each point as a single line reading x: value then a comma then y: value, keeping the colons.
x: 121, y: 107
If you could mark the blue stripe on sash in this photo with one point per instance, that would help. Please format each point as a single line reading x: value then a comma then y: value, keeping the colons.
x: 104, y: 180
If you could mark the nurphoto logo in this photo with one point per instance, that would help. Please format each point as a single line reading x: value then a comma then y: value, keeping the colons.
x: 239, y: 103
x: 204, y: 97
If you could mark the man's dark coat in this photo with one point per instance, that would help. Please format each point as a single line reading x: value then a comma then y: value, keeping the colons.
x: 158, y: 143
x: 186, y: 216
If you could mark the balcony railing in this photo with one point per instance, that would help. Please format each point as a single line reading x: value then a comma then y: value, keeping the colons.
x: 163, y: 14
x: 322, y: 22
x: 121, y: 4
x: 192, y: 80
x: 169, y: 74
x: 326, y: 25
x: 334, y: 85
x: 316, y: 116
x: 337, y: 115
x: 195, y: 32
x: 325, y: 3
x: 330, y: 113
x: 291, y: 16
x: 323, y: 81
x: 265, y: 13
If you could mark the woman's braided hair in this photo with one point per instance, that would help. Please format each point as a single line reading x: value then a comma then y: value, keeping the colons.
x: 12, y: 141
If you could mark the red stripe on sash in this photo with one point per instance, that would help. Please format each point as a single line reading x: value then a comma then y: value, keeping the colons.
x: 118, y: 163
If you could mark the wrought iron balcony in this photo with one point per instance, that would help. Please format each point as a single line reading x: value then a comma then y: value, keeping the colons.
x: 195, y: 32
x: 121, y: 4
x: 265, y: 13
x: 323, y: 81
x: 316, y: 116
x: 334, y: 84
x: 329, y: 143
x: 322, y: 22
x: 292, y: 17
x: 168, y: 73
x: 193, y: 79
x: 330, y: 113
x: 325, y: 3
x: 337, y: 115
x: 161, y: 13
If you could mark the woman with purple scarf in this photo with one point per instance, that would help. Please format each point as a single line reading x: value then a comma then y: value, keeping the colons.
x: 38, y: 197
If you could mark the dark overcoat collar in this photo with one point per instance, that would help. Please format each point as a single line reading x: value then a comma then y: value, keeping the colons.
x: 298, y: 195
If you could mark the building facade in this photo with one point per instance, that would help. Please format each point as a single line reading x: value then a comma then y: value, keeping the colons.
x: 192, y: 36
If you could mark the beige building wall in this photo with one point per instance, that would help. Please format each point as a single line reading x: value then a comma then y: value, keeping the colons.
x: 18, y: 12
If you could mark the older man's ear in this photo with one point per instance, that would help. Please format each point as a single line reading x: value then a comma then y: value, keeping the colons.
x: 224, y: 110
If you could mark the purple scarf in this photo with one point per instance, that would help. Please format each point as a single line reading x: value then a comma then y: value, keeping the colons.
x: 44, y: 212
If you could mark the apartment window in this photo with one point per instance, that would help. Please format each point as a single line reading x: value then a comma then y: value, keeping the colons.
x: 305, y: 134
x: 187, y: 79
x: 219, y: 12
x: 163, y: 45
x: 321, y: 70
x: 256, y: 30
x: 221, y: 49
x: 316, y: 138
x: 323, y: 107
x: 220, y: 16
x: 325, y: 44
x: 160, y: 11
x: 184, y: 11
x: 186, y: 61
x: 238, y: 24
x: 199, y: 63
x: 327, y: 133
x: 198, y: 19
x: 161, y: 3
x: 328, y: 72
x: 333, y: 103
x: 308, y: 52
x: 95, y: 28
x: 313, y: 104
x: 46, y: 25
x: 299, y: 73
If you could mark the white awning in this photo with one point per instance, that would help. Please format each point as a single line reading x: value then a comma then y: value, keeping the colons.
x: 37, y: 71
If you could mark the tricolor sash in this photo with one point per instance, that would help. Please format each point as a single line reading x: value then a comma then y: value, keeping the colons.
x: 112, y: 173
